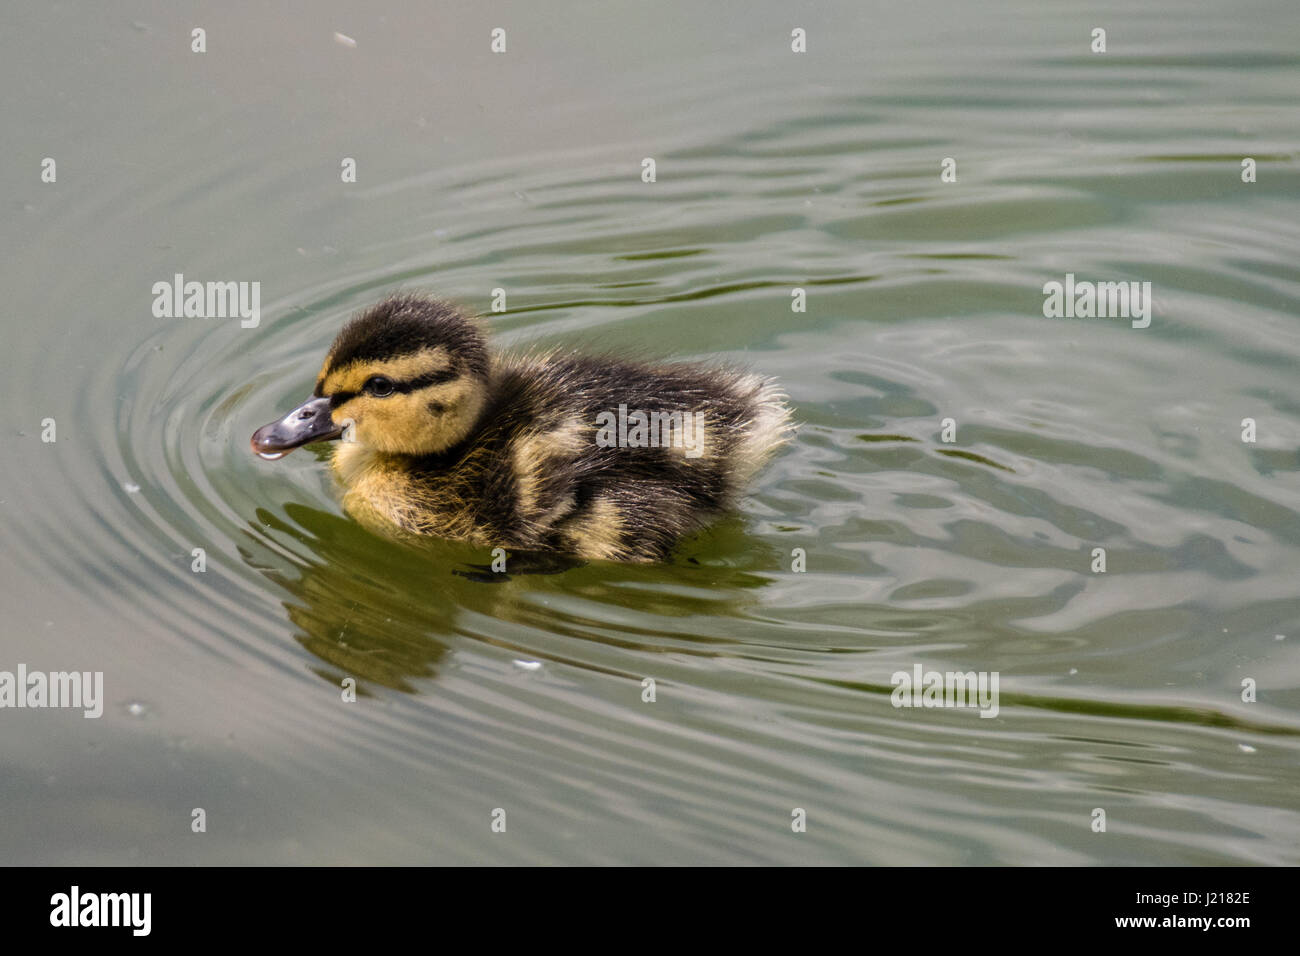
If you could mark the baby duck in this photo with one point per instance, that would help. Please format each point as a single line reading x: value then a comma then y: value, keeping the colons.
x: 586, y: 456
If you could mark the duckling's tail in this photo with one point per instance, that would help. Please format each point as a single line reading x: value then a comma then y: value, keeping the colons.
x: 770, y: 426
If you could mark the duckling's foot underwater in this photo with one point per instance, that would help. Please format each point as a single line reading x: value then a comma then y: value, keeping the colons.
x: 589, y: 456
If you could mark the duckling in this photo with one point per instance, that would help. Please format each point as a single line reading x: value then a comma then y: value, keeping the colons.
x: 592, y: 457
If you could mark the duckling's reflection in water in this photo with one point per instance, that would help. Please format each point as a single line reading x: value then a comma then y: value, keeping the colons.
x: 521, y: 562
x: 387, y: 611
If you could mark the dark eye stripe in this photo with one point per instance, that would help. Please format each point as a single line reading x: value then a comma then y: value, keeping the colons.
x: 411, y: 385
x: 424, y: 381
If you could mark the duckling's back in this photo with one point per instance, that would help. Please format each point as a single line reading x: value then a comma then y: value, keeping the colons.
x: 614, y: 460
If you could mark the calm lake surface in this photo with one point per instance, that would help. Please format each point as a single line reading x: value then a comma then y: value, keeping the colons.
x: 1120, y: 691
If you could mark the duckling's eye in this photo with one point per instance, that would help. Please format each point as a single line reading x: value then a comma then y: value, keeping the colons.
x: 379, y: 386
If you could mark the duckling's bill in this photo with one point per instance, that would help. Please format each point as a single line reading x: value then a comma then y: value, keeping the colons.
x: 309, y: 422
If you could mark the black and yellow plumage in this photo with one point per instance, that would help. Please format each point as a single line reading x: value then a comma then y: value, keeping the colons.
x: 442, y: 437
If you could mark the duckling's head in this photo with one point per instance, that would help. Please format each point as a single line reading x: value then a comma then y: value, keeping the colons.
x: 409, y: 374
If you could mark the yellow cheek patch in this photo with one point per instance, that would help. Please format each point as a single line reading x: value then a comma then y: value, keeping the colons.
x: 421, y: 422
x: 399, y: 423
x: 353, y: 408
x: 352, y: 376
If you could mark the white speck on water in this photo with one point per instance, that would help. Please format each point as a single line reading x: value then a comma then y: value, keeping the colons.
x: 1279, y: 637
x: 137, y: 708
x: 1246, y: 748
x: 342, y: 39
x: 130, y: 487
x: 1073, y: 671
x: 528, y: 665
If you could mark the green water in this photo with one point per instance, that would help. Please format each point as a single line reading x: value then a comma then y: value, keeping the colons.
x: 1120, y: 690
